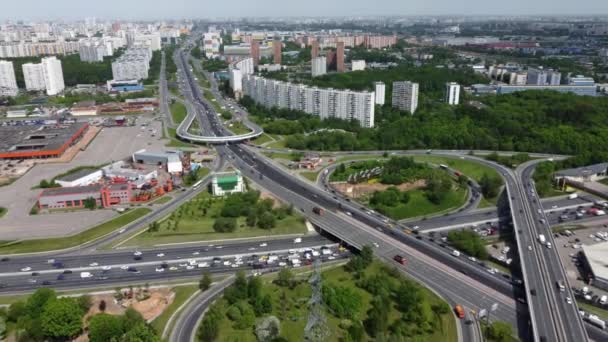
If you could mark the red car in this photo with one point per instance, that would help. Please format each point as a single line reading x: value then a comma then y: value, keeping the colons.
x: 400, y: 259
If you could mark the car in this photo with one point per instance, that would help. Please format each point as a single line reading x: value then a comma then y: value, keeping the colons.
x: 138, y: 253
x: 132, y: 269
x: 137, y: 257
x: 26, y: 269
x: 376, y: 244
x: 189, y: 267
x: 121, y: 231
x: 160, y: 269
x: 160, y: 255
x: 5, y: 259
x: 93, y: 264
x: 67, y: 272
x: 60, y: 277
x: 196, y: 253
x: 173, y: 268
x: 124, y: 267
x: 32, y: 281
x: 529, y: 248
x: 106, y: 268
x: 263, y: 244
x: 102, y: 277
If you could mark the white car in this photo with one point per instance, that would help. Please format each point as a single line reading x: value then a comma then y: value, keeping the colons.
x: 472, y: 259
x: 138, y: 253
x: 183, y: 265
x: 568, y: 300
x: 189, y: 267
x: 529, y: 248
x: 331, y: 257
x: 26, y: 269
x: 376, y: 244
x: 124, y: 267
x: 94, y: 264
x: 173, y: 268
x: 251, y: 249
x: 234, y: 265
x: 196, y: 253
x: 106, y: 268
x: 264, y: 244
x: 160, y: 269
x: 219, y: 247
x: 121, y: 231
x: 160, y: 255
x: 227, y: 263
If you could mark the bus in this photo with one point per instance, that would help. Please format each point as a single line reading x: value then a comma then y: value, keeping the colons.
x: 197, y: 184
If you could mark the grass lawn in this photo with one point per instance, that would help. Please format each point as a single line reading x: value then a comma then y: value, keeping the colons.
x: 359, y: 157
x: 310, y: 175
x: 601, y: 313
x: 468, y: 168
x: 279, y: 155
x: 238, y: 128
x: 262, y: 139
x: 419, y: 205
x: 195, y: 226
x: 3, y: 211
x: 553, y: 193
x: 182, y: 293
x: 484, y: 203
x: 163, y: 200
x: 290, y: 306
x: 178, y: 112
x: 175, y: 142
x: 277, y: 144
x: 43, y: 245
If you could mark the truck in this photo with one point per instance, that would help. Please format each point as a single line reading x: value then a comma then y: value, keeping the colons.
x: 318, y: 211
x: 573, y: 196
x: 595, y: 320
x: 541, y: 239
x: 459, y: 311
x: 84, y: 275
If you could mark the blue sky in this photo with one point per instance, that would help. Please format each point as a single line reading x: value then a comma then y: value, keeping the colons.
x: 151, y: 9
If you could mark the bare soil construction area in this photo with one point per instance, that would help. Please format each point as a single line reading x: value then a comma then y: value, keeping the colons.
x: 366, y: 189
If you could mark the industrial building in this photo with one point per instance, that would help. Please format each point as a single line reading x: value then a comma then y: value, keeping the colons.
x: 581, y: 90
x: 120, y: 172
x: 39, y: 141
x: 596, y: 262
x: 589, y: 173
x: 75, y: 197
x: 124, y: 86
x: 171, y: 160
x: 225, y: 183
x: 80, y: 178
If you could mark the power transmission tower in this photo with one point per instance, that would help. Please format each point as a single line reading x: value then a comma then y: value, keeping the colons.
x: 316, y: 329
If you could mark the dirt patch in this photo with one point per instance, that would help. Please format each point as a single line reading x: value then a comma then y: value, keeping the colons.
x: 266, y: 194
x: 366, y: 189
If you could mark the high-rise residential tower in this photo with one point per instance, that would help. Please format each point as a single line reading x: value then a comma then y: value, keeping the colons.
x: 277, y: 47
x: 405, y: 96
x: 452, y: 93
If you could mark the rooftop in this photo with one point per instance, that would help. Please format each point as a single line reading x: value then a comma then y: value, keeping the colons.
x: 584, y: 170
x: 72, y: 190
x: 77, y: 175
x: 27, y: 138
x: 597, y: 256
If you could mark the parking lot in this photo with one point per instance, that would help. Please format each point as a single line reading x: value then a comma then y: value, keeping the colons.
x: 111, y: 144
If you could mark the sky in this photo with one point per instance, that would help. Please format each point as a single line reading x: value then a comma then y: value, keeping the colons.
x: 167, y: 9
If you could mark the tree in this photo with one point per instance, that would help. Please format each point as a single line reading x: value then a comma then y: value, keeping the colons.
x: 344, y: 302
x: 224, y: 225
x: 284, y: 278
x: 205, y: 282
x: 252, y: 218
x: 268, y: 329
x: 210, y: 326
x: 131, y: 318
x: 266, y: 220
x: 90, y: 203
x: 102, y: 305
x: 140, y: 333
x: 500, y: 331
x: 84, y: 302
x: 35, y: 304
x: 104, y: 327
x: 490, y: 184
x: 61, y: 318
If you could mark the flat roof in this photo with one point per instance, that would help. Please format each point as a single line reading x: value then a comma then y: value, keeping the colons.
x: 72, y: 190
x: 77, y: 175
x: 584, y: 170
x: 36, y: 138
x: 597, y: 257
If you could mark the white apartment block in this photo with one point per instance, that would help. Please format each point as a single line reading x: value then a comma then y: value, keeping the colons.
x: 8, y: 82
x: 358, y: 65
x: 319, y: 66
x: 34, y: 49
x: 134, y: 64
x: 380, y: 90
x: 405, y: 96
x: 91, y: 53
x: 452, y: 93
x: 237, y: 70
x: 33, y: 77
x: 325, y: 103
x: 53, y: 75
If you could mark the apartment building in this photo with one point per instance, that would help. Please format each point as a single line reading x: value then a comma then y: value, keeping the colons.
x: 33, y: 77
x: 8, y: 82
x: 134, y: 64
x: 380, y: 90
x: 405, y: 96
x: 53, y: 75
x: 452, y: 93
x: 325, y: 103
x: 318, y: 66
